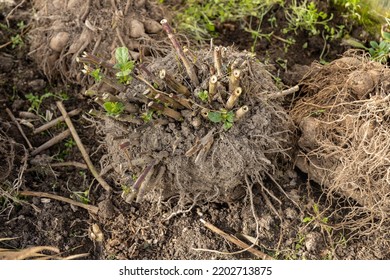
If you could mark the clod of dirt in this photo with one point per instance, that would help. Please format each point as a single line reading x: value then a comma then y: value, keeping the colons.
x: 63, y: 30
x: 344, y: 146
x: 180, y: 154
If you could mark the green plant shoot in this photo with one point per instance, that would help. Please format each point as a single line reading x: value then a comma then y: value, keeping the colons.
x: 114, y: 108
x: 124, y: 64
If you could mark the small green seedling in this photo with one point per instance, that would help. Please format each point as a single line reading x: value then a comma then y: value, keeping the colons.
x: 227, y: 118
x: 204, y: 95
x: 147, y: 116
x: 97, y: 75
x: 114, y: 108
x: 83, y: 197
x: 124, y: 65
x: 36, y: 100
x: 16, y: 41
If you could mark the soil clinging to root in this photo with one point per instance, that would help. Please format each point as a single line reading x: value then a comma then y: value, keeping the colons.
x: 345, y: 143
x: 64, y: 29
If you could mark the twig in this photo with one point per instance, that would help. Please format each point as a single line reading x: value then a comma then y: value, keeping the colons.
x: 212, y: 86
x: 187, y: 65
x: 236, y: 241
x: 81, y: 147
x: 54, y: 122
x: 91, y: 208
x: 70, y: 163
x: 274, y: 95
x: 19, y: 128
x: 56, y: 139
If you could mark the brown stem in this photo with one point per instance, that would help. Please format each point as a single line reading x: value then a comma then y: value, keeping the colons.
x: 80, y: 145
x: 58, y: 138
x: 187, y: 65
x: 173, y: 84
x: 294, y: 89
x: 93, y: 59
x: 233, y: 98
x: 166, y: 111
x: 54, y: 122
x: 19, y: 128
x: 236, y: 241
x: 90, y: 208
x: 167, y: 100
x: 181, y: 100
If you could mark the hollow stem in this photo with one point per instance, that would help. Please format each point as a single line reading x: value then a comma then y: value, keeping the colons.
x: 241, y: 112
x: 173, y: 84
x: 234, y: 79
x: 233, y: 98
x: 213, y: 82
x: 188, y: 66
x: 218, y: 61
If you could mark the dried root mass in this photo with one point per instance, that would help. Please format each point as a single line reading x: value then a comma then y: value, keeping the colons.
x: 344, y: 146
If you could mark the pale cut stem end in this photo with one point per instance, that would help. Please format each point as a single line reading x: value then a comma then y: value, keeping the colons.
x: 218, y: 61
x: 241, y: 112
x: 213, y: 86
x: 234, y: 79
x: 233, y: 98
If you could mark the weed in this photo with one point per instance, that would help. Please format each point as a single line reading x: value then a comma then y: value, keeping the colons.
x: 147, y: 116
x: 16, y: 41
x: 204, y: 96
x: 114, y: 108
x: 223, y: 116
x: 36, y: 100
x: 96, y: 75
x: 305, y: 16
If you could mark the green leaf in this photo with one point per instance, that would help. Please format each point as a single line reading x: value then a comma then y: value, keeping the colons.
x: 215, y: 117
x: 230, y: 117
x: 374, y: 44
x: 227, y: 125
x: 114, y: 108
x: 386, y: 36
x: 122, y: 55
x: 307, y: 219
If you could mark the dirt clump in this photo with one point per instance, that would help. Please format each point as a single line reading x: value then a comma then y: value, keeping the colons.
x: 63, y: 30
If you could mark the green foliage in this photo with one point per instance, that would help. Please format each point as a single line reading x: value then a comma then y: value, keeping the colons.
x: 227, y: 118
x: 16, y: 41
x: 36, y: 100
x: 83, y: 197
x: 96, y: 75
x: 147, y: 116
x: 114, y: 108
x: 124, y: 65
x: 379, y: 52
x: 204, y: 95
x: 305, y: 16
x: 200, y: 18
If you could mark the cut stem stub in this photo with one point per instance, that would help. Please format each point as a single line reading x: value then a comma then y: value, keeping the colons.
x: 233, y: 98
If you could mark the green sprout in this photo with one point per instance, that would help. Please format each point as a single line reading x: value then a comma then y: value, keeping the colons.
x: 96, y: 75
x: 124, y: 64
x: 114, y: 108
x: 227, y: 118
x: 204, y: 95
x: 16, y: 41
x: 147, y: 116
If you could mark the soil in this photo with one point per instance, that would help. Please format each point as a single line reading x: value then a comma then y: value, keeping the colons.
x: 284, y: 220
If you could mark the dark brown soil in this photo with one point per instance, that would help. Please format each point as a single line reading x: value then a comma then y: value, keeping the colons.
x: 289, y: 226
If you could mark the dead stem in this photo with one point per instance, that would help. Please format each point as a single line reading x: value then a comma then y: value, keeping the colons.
x: 213, y: 82
x: 218, y: 61
x: 234, y: 79
x: 54, y: 122
x: 165, y: 110
x: 233, y: 98
x: 58, y: 138
x: 19, y: 128
x: 274, y: 95
x: 187, y: 65
x: 90, y: 208
x: 241, y: 112
x: 173, y: 84
x: 80, y: 145
x: 236, y: 241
